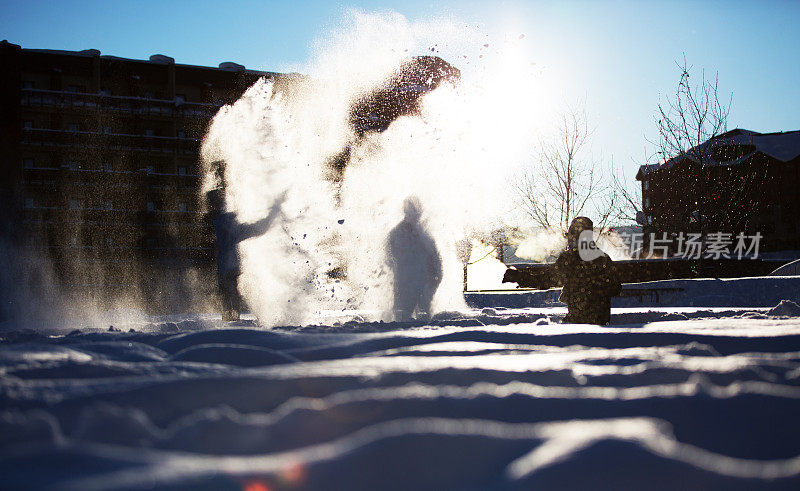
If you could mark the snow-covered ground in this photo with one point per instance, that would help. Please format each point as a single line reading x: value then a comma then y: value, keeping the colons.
x: 490, y: 398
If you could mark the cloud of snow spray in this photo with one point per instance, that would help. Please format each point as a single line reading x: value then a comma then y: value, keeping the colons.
x: 543, y: 245
x: 455, y: 157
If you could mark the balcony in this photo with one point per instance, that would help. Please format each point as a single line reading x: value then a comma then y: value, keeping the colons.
x: 41, y: 137
x: 140, y: 106
x: 42, y: 215
x: 40, y: 176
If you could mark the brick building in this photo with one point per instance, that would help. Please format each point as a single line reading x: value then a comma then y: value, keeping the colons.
x: 100, y: 170
x: 740, y: 181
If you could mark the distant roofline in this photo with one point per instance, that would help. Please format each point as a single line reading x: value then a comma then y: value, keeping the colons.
x: 777, y: 132
x: 648, y: 168
x: 737, y: 131
x: 162, y: 60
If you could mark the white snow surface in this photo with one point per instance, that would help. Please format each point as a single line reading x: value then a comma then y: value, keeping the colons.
x: 491, y: 398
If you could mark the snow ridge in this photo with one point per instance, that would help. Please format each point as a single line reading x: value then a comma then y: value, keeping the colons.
x: 697, y: 397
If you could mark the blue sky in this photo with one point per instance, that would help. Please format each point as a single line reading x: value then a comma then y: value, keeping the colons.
x: 617, y: 57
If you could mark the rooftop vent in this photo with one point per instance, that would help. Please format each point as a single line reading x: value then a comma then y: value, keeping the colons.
x: 231, y: 66
x: 90, y: 52
x: 162, y: 59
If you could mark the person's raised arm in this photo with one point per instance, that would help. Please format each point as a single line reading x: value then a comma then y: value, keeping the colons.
x: 260, y: 227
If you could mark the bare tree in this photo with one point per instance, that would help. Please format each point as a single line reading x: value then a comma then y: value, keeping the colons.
x: 684, y: 121
x: 691, y: 117
x: 628, y: 194
x: 562, y: 183
x: 689, y: 126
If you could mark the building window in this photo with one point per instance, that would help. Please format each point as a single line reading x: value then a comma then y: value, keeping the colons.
x: 74, y: 127
x: 27, y: 84
x: 108, y: 167
x: 105, y: 92
x: 151, y: 206
x: 149, y: 132
x: 148, y: 95
x: 109, y: 242
x: 109, y: 205
x: 646, y: 184
x: 107, y: 130
x: 150, y: 169
x: 647, y: 202
x: 181, y: 134
x: 181, y: 171
x: 27, y: 163
x: 180, y: 98
x: 27, y: 125
x: 75, y: 204
x: 73, y: 242
x: 76, y: 88
x: 182, y: 207
x: 29, y: 203
x: 73, y: 165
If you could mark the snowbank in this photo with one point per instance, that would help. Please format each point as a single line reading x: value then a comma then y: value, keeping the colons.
x: 729, y: 292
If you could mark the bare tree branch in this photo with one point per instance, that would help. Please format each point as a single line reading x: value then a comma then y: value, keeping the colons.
x: 692, y: 116
x: 561, y: 184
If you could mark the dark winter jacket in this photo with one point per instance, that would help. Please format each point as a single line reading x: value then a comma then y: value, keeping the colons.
x: 587, y: 287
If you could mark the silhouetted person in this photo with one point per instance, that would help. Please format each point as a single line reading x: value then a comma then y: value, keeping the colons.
x: 229, y: 233
x: 415, y: 263
x: 588, y: 277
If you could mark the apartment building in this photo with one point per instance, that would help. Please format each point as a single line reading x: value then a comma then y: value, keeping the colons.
x: 739, y: 182
x: 100, y: 169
